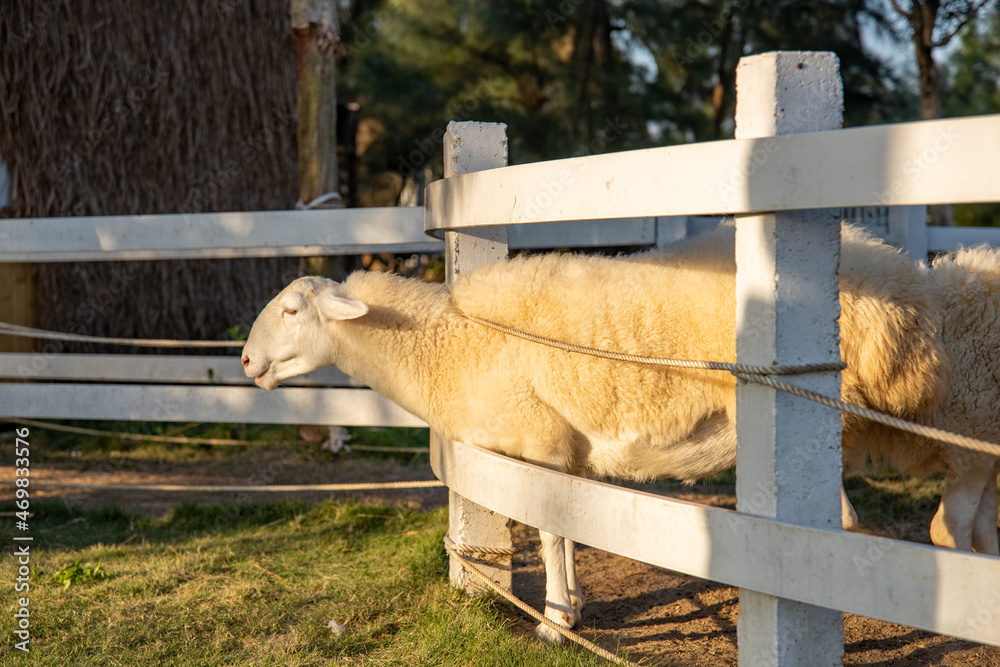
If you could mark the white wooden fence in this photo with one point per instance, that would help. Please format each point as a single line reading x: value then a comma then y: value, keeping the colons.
x: 214, y: 388
x: 792, y: 564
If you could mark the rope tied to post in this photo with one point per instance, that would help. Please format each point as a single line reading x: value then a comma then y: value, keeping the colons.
x: 458, y: 551
x: 472, y: 550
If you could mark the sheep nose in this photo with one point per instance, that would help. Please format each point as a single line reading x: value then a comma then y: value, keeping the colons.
x: 246, y: 361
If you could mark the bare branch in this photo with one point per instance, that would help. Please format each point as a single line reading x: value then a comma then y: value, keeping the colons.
x: 974, y: 8
x: 902, y: 12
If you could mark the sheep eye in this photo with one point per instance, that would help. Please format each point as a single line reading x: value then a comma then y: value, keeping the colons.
x: 289, y: 311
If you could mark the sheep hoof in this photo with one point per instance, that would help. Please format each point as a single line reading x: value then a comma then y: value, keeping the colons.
x: 549, y: 636
x: 576, y: 611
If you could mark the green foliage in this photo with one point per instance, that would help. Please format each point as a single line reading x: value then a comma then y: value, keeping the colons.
x: 572, y: 78
x: 974, y: 85
x: 78, y: 573
x: 977, y: 215
x: 974, y: 89
x: 235, y: 333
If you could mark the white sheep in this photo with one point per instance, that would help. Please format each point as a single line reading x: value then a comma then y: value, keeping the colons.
x: 966, y: 289
x: 409, y: 341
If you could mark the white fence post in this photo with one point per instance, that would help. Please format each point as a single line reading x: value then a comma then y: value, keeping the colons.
x: 908, y: 230
x: 671, y: 229
x: 789, y: 455
x: 470, y: 147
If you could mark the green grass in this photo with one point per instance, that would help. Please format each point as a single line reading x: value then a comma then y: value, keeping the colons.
x: 893, y: 505
x: 256, y: 584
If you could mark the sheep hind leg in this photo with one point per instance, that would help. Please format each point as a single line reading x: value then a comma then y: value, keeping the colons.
x: 955, y: 520
x: 558, y: 604
x: 575, y: 592
x: 848, y: 517
x: 984, y: 532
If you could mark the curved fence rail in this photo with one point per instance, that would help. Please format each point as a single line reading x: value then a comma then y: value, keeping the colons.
x: 933, y: 589
x: 927, y: 162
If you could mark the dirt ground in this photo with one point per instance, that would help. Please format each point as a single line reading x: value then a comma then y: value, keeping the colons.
x: 664, y: 618
x: 658, y: 616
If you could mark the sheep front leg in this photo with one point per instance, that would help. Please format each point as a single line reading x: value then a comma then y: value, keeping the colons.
x: 984, y: 532
x: 956, y: 519
x: 575, y: 592
x: 558, y: 604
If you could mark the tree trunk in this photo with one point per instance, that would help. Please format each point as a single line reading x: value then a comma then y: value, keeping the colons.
x: 17, y: 304
x: 314, y: 23
x: 930, y: 82
x: 317, y: 33
x: 922, y: 19
x: 722, y: 92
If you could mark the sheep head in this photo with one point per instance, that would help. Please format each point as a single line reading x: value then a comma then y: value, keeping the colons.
x: 292, y: 336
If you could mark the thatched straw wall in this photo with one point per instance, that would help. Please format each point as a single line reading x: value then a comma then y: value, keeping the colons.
x: 121, y: 107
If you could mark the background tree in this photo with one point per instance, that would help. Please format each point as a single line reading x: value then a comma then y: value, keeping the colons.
x: 572, y: 77
x: 973, y: 88
x: 698, y: 46
x: 551, y: 70
x: 933, y: 24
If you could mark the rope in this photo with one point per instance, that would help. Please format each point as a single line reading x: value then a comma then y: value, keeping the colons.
x: 8, y: 329
x: 660, y: 361
x: 177, y: 439
x: 389, y: 449
x: 455, y: 550
x: 320, y: 201
x: 184, y: 440
x: 966, y: 442
x: 470, y: 550
x: 760, y: 375
x: 287, y: 488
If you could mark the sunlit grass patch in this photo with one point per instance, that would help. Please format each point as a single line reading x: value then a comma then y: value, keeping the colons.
x: 259, y: 584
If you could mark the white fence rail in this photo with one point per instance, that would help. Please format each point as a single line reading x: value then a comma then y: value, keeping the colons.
x: 631, y: 198
x: 865, y: 166
x: 941, y: 590
x: 293, y: 405
x: 282, y: 234
x: 943, y: 239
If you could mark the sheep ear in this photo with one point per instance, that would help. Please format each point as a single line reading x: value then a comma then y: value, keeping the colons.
x: 334, y: 307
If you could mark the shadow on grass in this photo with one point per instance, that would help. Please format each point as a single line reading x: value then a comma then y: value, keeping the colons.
x: 894, y: 506
x: 55, y: 525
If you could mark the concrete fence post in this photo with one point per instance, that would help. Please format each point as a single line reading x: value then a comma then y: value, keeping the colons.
x: 789, y: 454
x: 470, y: 147
x: 908, y: 230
